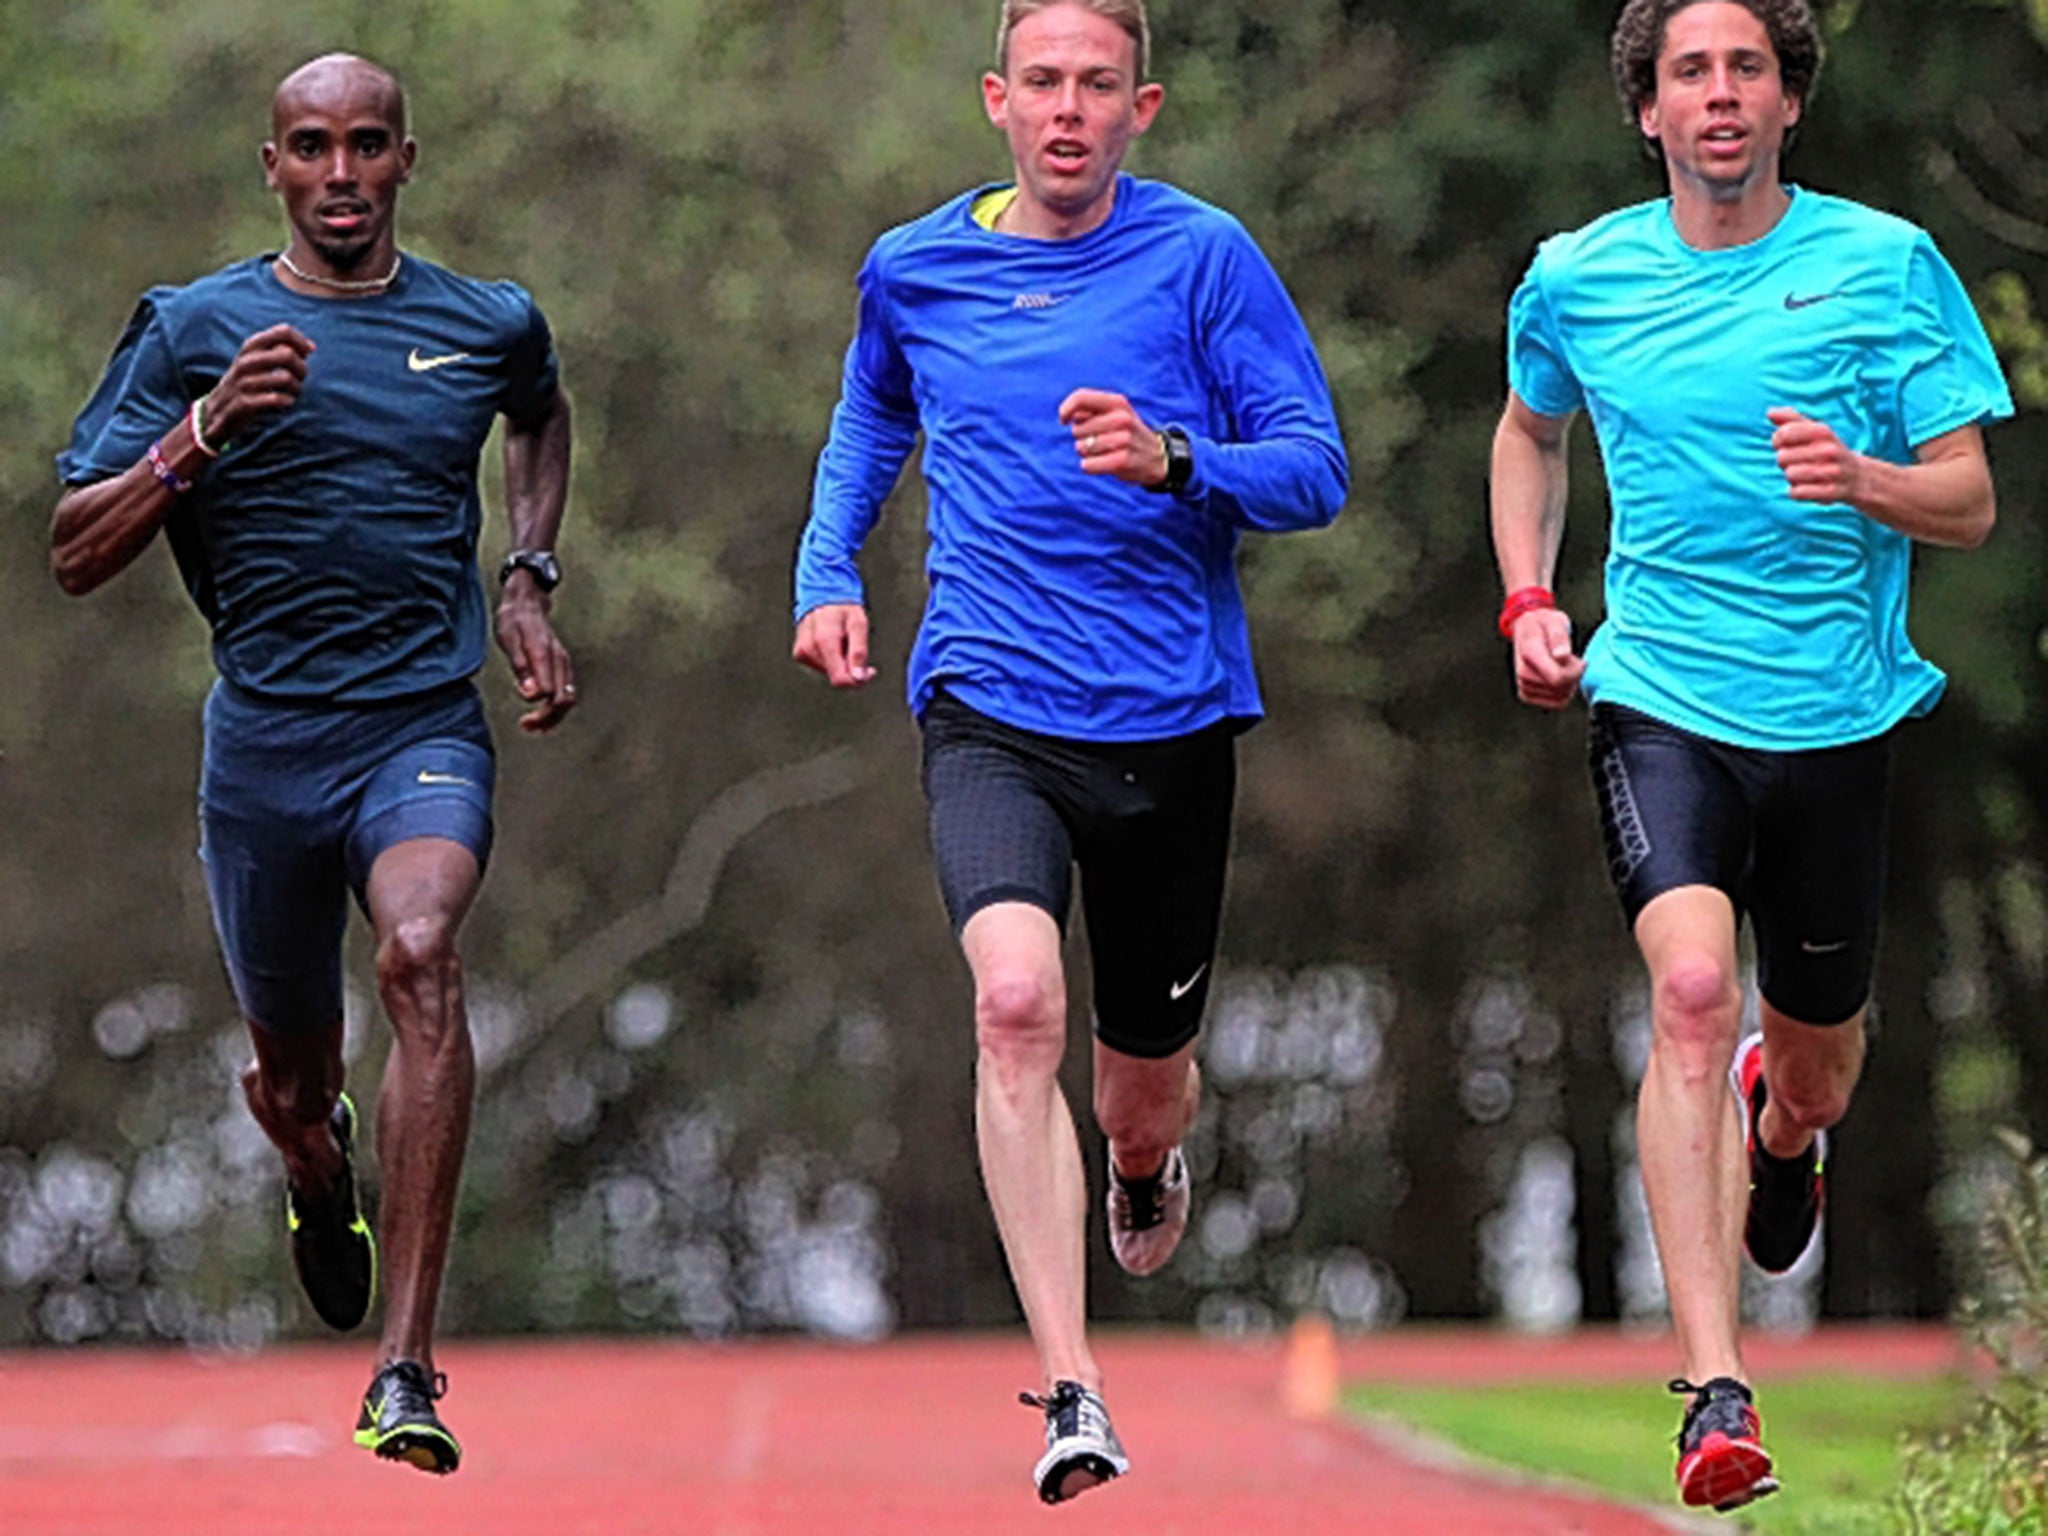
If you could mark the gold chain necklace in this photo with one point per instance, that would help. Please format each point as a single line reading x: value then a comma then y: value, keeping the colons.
x: 343, y: 285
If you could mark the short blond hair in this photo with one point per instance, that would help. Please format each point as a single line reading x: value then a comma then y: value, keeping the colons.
x: 1128, y: 14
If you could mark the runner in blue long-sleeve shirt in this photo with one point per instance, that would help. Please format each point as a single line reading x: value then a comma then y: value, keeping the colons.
x: 1112, y: 384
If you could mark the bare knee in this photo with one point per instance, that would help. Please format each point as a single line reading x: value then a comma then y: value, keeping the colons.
x: 419, y: 974
x: 415, y: 949
x: 1020, y: 1027
x: 1697, y: 1010
x: 1697, y: 1000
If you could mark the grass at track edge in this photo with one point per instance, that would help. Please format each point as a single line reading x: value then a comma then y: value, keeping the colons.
x: 1835, y: 1439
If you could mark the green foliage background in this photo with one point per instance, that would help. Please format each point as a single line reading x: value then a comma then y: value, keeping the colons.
x: 688, y: 188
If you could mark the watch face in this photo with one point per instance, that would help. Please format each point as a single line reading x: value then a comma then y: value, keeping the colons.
x: 546, y: 570
x: 1180, y: 459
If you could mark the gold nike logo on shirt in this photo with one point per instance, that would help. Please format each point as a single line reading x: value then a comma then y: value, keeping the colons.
x: 420, y: 364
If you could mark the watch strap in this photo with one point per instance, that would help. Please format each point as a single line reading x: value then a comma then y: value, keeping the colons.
x: 1180, y: 461
x: 540, y: 564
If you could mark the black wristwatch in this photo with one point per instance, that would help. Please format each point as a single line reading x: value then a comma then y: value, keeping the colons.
x: 545, y: 569
x: 1180, y: 462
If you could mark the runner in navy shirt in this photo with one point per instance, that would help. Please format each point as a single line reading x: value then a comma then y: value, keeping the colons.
x: 306, y: 429
x: 1112, y: 385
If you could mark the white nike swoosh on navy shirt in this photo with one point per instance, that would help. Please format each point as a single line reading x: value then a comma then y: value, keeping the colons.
x: 428, y: 776
x: 419, y: 364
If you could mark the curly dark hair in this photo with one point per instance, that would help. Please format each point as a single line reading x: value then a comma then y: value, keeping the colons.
x: 1639, y: 39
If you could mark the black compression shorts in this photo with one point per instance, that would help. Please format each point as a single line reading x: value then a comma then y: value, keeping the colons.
x: 1148, y: 823
x: 1795, y: 839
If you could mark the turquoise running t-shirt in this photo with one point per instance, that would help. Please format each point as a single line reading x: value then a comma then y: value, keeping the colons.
x: 1734, y: 611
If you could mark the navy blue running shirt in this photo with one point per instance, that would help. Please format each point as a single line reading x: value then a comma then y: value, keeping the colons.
x: 333, y: 547
x: 1060, y: 602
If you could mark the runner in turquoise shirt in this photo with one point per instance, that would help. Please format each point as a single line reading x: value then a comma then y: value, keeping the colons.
x: 1788, y: 391
x: 1733, y: 609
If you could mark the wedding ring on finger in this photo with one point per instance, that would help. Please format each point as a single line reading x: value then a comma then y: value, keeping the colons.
x: 1088, y: 444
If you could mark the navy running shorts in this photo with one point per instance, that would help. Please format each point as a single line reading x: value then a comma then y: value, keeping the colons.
x: 295, y: 805
x: 1795, y: 839
x: 1013, y: 813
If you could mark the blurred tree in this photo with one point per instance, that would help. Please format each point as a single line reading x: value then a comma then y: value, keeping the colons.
x: 701, y: 1112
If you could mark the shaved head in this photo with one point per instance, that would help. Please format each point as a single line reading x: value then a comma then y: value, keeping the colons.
x: 338, y: 157
x: 339, y: 81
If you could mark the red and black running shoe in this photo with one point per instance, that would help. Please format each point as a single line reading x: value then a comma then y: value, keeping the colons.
x: 1721, y: 1460
x: 1785, y: 1193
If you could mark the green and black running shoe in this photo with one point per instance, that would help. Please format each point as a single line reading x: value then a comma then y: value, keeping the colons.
x: 398, y: 1421
x: 332, y: 1248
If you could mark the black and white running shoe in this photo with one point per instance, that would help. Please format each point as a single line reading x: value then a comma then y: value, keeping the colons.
x: 1081, y: 1449
x: 1148, y: 1216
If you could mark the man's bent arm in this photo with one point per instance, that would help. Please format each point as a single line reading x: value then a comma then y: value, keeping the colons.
x: 1289, y: 470
x: 97, y: 530
x: 1527, y: 494
x: 1946, y: 497
x: 1280, y: 484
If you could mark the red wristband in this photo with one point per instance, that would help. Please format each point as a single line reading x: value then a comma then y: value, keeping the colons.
x: 1523, y: 600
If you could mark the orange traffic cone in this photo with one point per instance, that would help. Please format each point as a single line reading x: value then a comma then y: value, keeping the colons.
x: 1308, y: 1375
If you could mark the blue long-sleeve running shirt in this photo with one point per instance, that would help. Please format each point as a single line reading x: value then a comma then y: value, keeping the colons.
x: 1072, y: 604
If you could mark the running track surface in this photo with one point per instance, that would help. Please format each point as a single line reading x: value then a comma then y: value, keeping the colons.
x: 922, y: 1435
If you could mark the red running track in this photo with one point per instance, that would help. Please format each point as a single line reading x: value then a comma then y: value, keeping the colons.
x: 784, y: 1439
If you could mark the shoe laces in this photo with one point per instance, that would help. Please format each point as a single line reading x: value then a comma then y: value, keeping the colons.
x: 1063, y: 1407
x: 1722, y: 1404
x: 1144, y: 1199
x: 410, y: 1383
x: 1143, y: 1206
